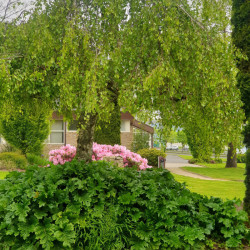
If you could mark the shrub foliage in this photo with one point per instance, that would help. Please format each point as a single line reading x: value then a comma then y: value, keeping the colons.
x: 241, y: 158
x: 97, y: 206
x: 12, y: 160
x: 109, y: 132
x: 26, y: 127
x: 151, y: 154
x: 140, y: 140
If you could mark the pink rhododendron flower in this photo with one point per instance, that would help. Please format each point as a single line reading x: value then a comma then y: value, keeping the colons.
x: 62, y: 155
x: 68, y: 152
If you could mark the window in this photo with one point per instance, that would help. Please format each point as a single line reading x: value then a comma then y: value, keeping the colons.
x: 73, y: 125
x: 57, y: 132
x: 125, y: 125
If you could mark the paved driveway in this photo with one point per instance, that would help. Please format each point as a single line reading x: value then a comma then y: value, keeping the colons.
x: 174, y: 164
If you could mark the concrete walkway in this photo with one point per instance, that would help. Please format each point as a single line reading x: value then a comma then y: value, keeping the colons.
x: 174, y: 164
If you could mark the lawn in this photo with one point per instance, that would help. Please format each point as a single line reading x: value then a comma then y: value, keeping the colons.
x: 218, y: 170
x: 186, y: 157
x: 233, y: 174
x: 222, y: 189
x: 3, y: 174
x: 189, y: 157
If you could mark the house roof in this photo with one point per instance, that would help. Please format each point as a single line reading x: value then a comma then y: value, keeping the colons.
x: 124, y: 116
x: 136, y: 123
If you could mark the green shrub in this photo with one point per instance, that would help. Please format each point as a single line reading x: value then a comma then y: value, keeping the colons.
x: 140, y: 140
x: 12, y: 160
x: 193, y: 161
x: 6, y: 147
x: 151, y: 154
x: 97, y: 206
x: 109, y: 132
x: 37, y: 160
x: 26, y: 127
x: 241, y: 158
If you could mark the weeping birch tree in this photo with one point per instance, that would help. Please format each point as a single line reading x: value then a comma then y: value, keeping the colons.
x: 165, y: 56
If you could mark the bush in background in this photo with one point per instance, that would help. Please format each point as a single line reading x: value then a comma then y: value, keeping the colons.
x: 140, y: 140
x: 12, y: 161
x: 241, y: 158
x: 97, y: 206
x: 36, y: 160
x: 109, y: 132
x: 6, y: 147
x: 152, y: 154
x: 26, y: 127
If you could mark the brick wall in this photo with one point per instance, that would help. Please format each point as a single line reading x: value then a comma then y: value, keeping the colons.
x: 71, y: 138
x: 127, y: 138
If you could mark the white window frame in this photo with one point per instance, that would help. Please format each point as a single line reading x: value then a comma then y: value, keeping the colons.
x: 57, y: 131
x: 122, y: 131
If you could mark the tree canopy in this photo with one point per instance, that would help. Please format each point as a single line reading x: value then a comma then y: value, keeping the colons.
x: 173, y: 57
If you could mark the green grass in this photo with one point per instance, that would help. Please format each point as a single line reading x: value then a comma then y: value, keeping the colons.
x: 221, y: 189
x: 220, y: 165
x: 189, y: 157
x: 233, y: 174
x: 3, y: 174
x: 186, y: 157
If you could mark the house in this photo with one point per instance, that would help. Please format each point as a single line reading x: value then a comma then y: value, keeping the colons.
x: 62, y: 134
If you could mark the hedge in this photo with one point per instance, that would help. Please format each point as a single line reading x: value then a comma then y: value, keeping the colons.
x: 97, y: 206
x: 152, y: 154
x: 12, y: 160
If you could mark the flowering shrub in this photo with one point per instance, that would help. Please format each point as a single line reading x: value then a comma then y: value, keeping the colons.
x: 129, y: 158
x: 67, y: 153
x: 60, y: 156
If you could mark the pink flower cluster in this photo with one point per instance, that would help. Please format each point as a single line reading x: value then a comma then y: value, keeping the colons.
x: 68, y: 152
x: 60, y: 156
x: 129, y: 158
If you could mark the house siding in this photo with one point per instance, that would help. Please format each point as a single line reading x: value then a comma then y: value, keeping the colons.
x: 126, y: 137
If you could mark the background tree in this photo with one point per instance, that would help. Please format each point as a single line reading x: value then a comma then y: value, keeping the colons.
x: 26, y: 127
x: 172, y: 137
x: 182, y: 138
x: 75, y: 55
x: 241, y: 39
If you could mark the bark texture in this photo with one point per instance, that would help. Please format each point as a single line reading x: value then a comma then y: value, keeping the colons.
x: 231, y: 156
x: 85, y: 138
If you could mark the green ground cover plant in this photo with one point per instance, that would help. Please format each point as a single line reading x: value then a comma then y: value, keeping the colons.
x: 222, y: 189
x: 98, y: 206
x: 234, y: 174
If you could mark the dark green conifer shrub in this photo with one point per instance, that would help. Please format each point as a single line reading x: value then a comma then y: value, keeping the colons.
x: 109, y: 132
x: 97, y: 206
